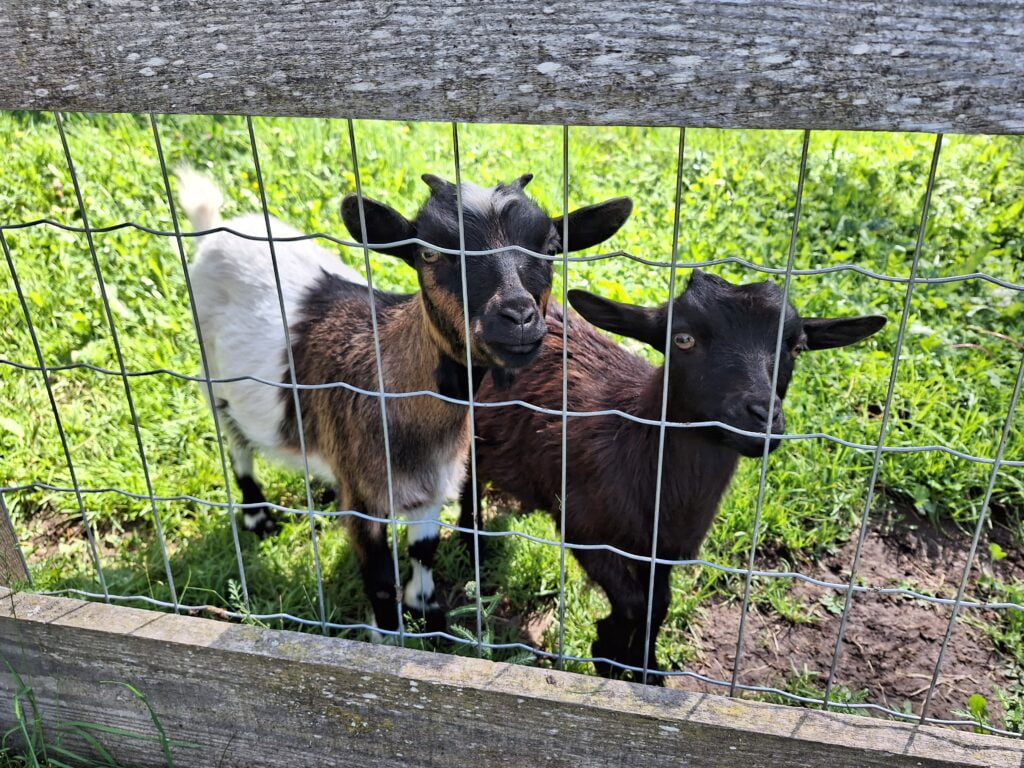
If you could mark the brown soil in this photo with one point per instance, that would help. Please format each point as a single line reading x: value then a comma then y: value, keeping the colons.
x: 891, y: 642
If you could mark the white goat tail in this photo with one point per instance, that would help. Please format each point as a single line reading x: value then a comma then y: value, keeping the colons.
x: 200, y: 198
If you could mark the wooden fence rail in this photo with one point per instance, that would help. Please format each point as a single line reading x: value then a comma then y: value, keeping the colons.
x: 246, y: 696
x: 909, y: 65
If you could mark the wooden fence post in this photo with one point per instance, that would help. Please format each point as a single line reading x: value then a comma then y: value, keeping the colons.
x: 13, y: 568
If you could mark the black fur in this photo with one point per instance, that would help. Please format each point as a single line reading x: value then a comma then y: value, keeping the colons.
x: 723, y: 339
x: 452, y: 380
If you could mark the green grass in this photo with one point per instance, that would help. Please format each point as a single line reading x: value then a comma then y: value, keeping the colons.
x: 862, y: 205
x: 36, y: 741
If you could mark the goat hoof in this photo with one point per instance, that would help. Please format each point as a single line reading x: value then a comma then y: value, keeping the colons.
x: 435, y: 620
x: 654, y: 677
x: 262, y: 523
x: 326, y: 496
x: 430, y: 619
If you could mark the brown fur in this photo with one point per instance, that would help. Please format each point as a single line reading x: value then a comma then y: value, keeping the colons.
x: 611, y: 474
x: 611, y: 460
x: 346, y: 427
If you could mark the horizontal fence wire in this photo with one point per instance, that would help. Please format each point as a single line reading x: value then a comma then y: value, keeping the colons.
x: 645, y: 558
x: 737, y: 260
x: 531, y: 406
x: 651, y: 560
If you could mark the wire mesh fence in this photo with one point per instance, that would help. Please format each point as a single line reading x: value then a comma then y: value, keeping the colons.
x: 849, y: 589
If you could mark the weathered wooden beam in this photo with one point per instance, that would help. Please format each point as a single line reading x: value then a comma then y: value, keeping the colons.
x: 13, y: 569
x: 245, y: 696
x: 929, y: 65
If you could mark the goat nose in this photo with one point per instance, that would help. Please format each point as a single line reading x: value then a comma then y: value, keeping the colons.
x: 520, y: 314
x: 759, y: 411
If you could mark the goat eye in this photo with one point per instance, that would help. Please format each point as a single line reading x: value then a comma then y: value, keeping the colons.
x: 684, y: 341
x: 430, y: 257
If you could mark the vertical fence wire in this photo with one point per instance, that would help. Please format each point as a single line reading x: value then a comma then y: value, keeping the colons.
x: 561, y: 656
x: 292, y: 374
x: 886, y: 412
x: 179, y: 241
x: 982, y: 519
x: 469, y: 388
x: 392, y: 518
x: 565, y: 396
x: 65, y: 447
x: 762, y: 479
x: 158, y: 526
x: 659, y: 471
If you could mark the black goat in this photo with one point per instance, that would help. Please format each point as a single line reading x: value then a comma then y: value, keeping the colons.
x: 720, y: 369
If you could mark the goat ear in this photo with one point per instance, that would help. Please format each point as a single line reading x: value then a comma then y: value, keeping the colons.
x: 437, y: 184
x: 383, y: 225
x: 522, y: 181
x: 829, y: 332
x: 594, y: 224
x: 641, y: 323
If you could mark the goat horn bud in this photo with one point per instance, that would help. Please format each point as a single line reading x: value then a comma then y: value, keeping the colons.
x: 436, y: 183
x: 522, y: 181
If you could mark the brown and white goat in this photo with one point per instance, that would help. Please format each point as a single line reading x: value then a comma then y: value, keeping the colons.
x: 422, y: 346
x: 720, y: 369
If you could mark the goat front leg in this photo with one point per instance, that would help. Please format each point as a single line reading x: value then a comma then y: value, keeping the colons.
x: 377, y: 567
x: 662, y: 598
x: 469, y: 512
x: 616, y: 632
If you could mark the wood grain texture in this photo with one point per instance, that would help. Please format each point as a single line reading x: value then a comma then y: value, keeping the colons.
x: 929, y: 65
x: 244, y: 696
x: 13, y: 569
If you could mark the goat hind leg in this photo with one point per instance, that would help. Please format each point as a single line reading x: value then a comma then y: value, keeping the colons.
x: 469, y: 513
x: 662, y: 598
x: 256, y: 516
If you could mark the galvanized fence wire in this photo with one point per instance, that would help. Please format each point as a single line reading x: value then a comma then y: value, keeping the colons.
x: 90, y: 534
x: 651, y: 561
x: 737, y: 260
x: 531, y: 406
x: 762, y: 479
x: 886, y: 412
x: 214, y: 411
x: 660, y: 468
x: 112, y: 327
x: 564, y: 470
x: 982, y: 517
x: 292, y: 374
x: 388, y: 474
x: 472, y: 479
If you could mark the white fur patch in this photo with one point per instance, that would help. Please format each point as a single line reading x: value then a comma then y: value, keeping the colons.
x: 377, y: 637
x: 240, y: 315
x: 478, y: 199
x: 419, y: 592
x: 253, y: 518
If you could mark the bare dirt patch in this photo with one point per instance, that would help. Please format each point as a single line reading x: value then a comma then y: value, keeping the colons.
x: 891, y: 642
